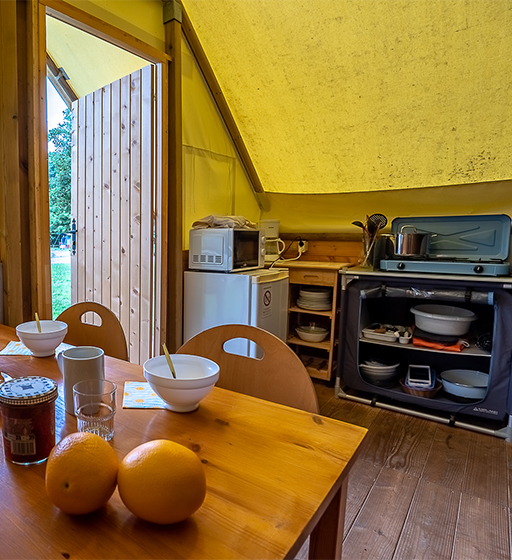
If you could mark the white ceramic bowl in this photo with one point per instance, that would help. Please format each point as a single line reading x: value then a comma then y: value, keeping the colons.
x: 195, y: 378
x: 311, y: 333
x: 443, y: 319
x: 380, y: 372
x: 465, y: 383
x: 43, y: 343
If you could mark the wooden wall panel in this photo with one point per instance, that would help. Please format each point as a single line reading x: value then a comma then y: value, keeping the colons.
x: 10, y: 201
x: 135, y: 215
x: 124, y: 263
x: 115, y: 198
x: 147, y: 170
x: 24, y: 221
x: 106, y: 195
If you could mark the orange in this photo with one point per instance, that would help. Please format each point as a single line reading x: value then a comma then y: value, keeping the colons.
x: 81, y: 473
x: 162, y: 481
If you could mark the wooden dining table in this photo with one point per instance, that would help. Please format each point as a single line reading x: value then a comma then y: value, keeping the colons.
x: 275, y: 476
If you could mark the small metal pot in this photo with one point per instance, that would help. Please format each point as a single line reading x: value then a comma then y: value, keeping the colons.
x: 412, y: 244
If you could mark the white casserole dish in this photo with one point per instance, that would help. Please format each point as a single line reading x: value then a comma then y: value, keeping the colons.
x: 465, y: 383
x: 443, y: 319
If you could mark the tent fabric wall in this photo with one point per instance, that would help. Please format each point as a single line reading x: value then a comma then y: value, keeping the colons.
x: 140, y: 18
x: 358, y: 95
x: 84, y: 57
x: 474, y: 175
x: 334, y: 213
x: 214, y: 181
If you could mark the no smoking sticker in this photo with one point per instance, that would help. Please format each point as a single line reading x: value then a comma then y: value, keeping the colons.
x: 267, y: 303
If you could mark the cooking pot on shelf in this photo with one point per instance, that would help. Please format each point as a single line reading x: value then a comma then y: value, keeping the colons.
x: 411, y: 243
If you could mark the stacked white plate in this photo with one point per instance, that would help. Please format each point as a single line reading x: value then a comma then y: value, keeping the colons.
x: 315, y: 299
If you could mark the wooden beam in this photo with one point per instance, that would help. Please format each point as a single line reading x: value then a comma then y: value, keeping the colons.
x: 174, y: 202
x: 95, y: 26
x: 11, y: 253
x: 39, y: 203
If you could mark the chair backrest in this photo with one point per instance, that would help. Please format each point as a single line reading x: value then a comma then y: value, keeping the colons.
x: 279, y: 376
x: 109, y: 336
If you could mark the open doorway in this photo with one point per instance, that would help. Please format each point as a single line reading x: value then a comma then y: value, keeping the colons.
x: 115, y: 183
x: 59, y: 182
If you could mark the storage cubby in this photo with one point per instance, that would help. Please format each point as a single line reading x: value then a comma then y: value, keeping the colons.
x: 318, y: 357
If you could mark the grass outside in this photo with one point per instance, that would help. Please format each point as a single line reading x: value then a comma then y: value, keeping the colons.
x: 61, y: 287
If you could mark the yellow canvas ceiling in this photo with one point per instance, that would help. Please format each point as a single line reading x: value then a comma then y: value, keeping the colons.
x: 90, y: 62
x: 365, y: 95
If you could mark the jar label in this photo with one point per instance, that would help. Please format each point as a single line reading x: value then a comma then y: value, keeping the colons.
x: 19, y: 432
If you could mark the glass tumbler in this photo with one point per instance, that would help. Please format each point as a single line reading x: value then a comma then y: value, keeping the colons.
x: 95, y: 406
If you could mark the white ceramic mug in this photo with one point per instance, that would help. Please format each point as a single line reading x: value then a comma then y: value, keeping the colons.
x: 77, y: 364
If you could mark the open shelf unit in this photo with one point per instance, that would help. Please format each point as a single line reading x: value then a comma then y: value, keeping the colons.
x: 318, y: 357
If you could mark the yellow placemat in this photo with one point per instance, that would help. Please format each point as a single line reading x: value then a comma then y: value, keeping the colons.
x: 140, y: 395
x: 17, y: 348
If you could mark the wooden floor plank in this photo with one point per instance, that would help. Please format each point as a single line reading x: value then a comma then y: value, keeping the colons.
x: 487, y: 470
x: 482, y: 531
x: 360, y: 482
x: 377, y: 528
x: 407, y: 481
x: 429, y: 530
x: 399, y: 445
x: 508, y: 448
x: 446, y: 463
x: 349, y: 411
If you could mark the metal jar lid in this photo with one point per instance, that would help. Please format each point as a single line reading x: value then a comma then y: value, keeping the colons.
x: 26, y: 391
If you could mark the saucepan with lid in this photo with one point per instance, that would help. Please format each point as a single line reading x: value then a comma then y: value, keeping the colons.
x: 411, y: 243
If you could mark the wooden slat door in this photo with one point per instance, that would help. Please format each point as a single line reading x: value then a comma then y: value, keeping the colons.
x: 113, y: 200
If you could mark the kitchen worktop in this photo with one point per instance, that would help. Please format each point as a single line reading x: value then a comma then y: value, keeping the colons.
x: 506, y: 281
x: 319, y: 265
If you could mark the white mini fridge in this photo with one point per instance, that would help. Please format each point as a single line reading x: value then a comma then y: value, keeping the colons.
x: 256, y: 297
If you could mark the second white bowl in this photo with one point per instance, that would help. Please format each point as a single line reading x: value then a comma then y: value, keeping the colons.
x: 195, y: 378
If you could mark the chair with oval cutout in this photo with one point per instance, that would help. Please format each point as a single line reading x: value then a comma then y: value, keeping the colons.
x: 108, y: 336
x: 279, y: 376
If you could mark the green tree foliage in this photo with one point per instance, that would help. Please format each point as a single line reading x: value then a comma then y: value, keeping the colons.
x: 59, y: 175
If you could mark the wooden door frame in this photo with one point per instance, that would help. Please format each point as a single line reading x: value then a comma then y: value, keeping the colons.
x: 24, y: 214
x: 169, y: 165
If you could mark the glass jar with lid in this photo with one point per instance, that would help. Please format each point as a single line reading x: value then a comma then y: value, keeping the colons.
x: 27, y: 406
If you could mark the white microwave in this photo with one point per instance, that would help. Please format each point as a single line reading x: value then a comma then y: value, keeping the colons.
x: 226, y: 249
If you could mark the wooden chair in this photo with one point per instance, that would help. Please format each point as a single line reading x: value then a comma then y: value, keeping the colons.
x: 279, y: 376
x: 109, y: 336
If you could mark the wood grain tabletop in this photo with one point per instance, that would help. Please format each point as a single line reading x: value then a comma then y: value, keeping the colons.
x: 275, y: 475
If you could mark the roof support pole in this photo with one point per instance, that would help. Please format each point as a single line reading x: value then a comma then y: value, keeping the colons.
x: 172, y: 22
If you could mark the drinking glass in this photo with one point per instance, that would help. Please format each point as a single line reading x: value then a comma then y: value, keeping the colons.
x: 95, y: 406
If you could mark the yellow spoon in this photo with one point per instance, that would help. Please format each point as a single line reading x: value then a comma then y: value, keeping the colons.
x: 38, y: 323
x: 169, y: 361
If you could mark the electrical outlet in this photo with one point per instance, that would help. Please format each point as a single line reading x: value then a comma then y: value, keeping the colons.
x: 303, y: 247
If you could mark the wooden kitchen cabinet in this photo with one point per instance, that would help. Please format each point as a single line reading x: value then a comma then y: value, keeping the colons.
x: 318, y: 357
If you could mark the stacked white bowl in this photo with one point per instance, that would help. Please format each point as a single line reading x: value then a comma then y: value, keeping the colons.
x: 315, y: 299
x: 378, y: 372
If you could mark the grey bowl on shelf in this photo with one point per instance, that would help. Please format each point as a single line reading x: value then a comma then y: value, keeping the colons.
x: 311, y: 332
